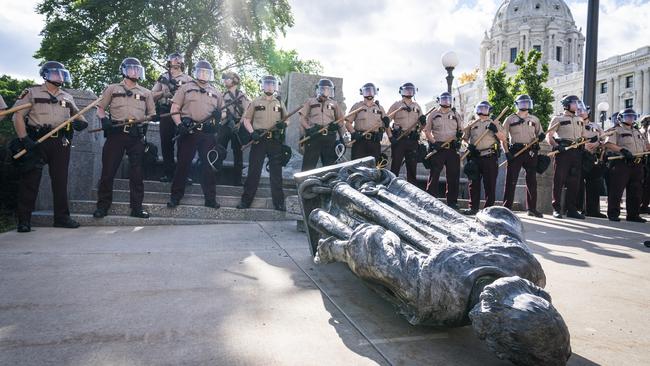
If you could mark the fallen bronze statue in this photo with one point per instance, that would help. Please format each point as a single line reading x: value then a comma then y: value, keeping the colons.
x: 435, y: 265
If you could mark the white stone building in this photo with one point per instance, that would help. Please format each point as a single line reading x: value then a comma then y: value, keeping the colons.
x: 548, y: 25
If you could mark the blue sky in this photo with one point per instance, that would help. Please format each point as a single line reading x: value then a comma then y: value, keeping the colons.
x: 386, y: 42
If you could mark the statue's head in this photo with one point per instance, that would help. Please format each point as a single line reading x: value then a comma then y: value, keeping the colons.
x: 519, y: 323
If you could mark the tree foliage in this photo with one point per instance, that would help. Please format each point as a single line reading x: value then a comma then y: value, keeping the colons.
x: 10, y: 89
x: 91, y: 37
x: 529, y: 79
x: 498, y: 85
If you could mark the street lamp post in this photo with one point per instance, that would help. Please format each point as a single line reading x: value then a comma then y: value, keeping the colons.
x: 603, y: 107
x: 591, y: 53
x: 449, y: 62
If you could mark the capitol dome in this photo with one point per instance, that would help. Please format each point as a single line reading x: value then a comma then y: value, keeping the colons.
x: 545, y: 25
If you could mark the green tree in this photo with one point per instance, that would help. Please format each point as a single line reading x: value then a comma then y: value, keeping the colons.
x: 499, y: 90
x: 92, y: 37
x: 530, y: 79
x: 10, y: 90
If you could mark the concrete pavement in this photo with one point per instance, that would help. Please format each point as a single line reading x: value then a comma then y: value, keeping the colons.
x: 248, y: 294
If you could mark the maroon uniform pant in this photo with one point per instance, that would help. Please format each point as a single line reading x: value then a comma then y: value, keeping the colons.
x: 167, y: 133
x: 117, y: 143
x: 645, y: 201
x: 271, y: 149
x: 188, y: 145
x: 529, y: 163
x: 567, y: 170
x: 488, y: 171
x: 57, y: 157
x: 449, y: 159
x: 405, y: 150
x: 624, y: 176
x: 363, y: 148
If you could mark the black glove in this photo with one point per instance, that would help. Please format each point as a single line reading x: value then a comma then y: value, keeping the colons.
x: 28, y: 143
x: 436, y: 145
x: 509, y: 156
x: 182, y: 129
x: 356, y: 135
x: 216, y: 114
x: 155, y: 118
x: 256, y: 136
x: 386, y: 121
x: 333, y: 127
x: 455, y: 144
x: 423, y: 120
x: 393, y: 139
x: 492, y: 127
x: 473, y: 151
x: 559, y: 148
x: 593, y: 139
x: 627, y: 154
x: 186, y: 121
x: 459, y: 134
x: 541, y: 137
x: 407, y: 109
x: 79, y: 125
x: 280, y: 125
x: 107, y: 125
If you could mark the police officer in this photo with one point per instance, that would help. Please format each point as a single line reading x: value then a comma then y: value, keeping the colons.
x: 229, y: 127
x: 591, y: 180
x: 262, y: 120
x: 626, y: 174
x: 443, y: 125
x: 315, y: 114
x: 520, y: 129
x: 371, y: 119
x: 409, y: 120
x: 565, y: 130
x: 163, y: 92
x: 645, y: 201
x: 3, y: 105
x: 485, y: 153
x: 199, y: 104
x: 50, y: 107
x: 126, y: 100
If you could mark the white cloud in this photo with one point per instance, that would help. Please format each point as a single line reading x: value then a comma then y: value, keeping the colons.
x: 387, y: 42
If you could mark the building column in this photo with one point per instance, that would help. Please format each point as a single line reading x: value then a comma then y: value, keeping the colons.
x: 612, y: 96
x: 646, y: 91
x: 638, y: 91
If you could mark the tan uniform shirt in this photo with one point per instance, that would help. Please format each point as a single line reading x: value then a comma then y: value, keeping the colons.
x: 3, y: 105
x: 46, y: 109
x: 237, y: 109
x: 264, y: 113
x: 476, y: 130
x: 162, y: 85
x: 368, y: 118
x: 314, y: 112
x: 444, y: 126
x: 405, y: 119
x: 123, y: 106
x: 196, y: 101
x: 567, y: 127
x: 592, y: 129
x: 522, y: 130
x: 628, y: 138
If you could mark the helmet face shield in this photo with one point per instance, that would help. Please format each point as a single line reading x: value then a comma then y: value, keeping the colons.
x: 175, y: 60
x: 325, y: 91
x: 57, y: 76
x: 445, y: 100
x: 581, y: 108
x: 132, y: 71
x: 269, y: 85
x: 368, y: 91
x: 524, y: 104
x: 482, y: 109
x: 628, y: 118
x: 407, y: 91
x: 203, y: 74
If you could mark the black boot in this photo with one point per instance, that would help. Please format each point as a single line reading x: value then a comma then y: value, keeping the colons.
x: 280, y: 207
x: 211, y: 203
x: 575, y: 215
x: 140, y: 213
x: 535, y: 213
x: 243, y: 205
x: 636, y: 219
x: 166, y: 178
x: 100, y: 212
x: 24, y: 227
x: 557, y: 214
x: 67, y: 223
x: 173, y: 203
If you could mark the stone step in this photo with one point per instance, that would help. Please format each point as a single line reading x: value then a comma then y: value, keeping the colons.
x: 120, y: 195
x: 153, y: 186
x: 464, y: 203
x: 184, y: 211
x: 45, y: 218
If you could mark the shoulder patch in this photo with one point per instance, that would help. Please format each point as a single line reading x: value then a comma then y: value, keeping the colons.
x: 23, y: 94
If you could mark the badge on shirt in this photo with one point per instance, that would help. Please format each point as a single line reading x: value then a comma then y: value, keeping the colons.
x: 210, y: 94
x: 276, y: 108
x: 329, y: 106
x: 63, y: 103
x: 138, y: 97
